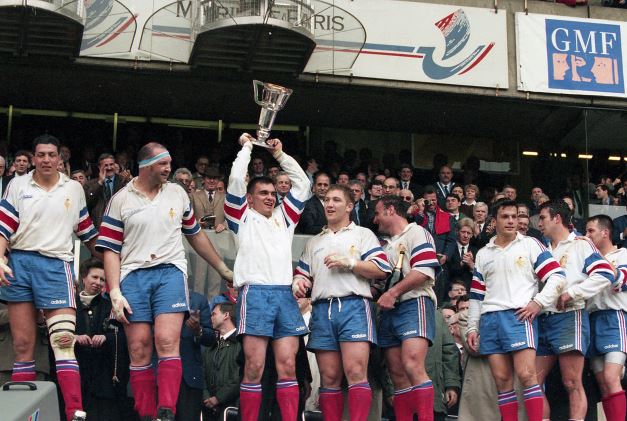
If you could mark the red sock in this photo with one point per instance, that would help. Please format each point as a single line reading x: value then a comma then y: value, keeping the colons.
x: 423, y: 396
x: 534, y: 403
x: 331, y: 404
x: 359, y: 400
x: 24, y: 371
x: 69, y: 379
x: 614, y: 406
x: 404, y: 405
x: 144, y: 386
x: 249, y: 401
x: 287, y: 397
x: 169, y: 374
x: 508, y: 405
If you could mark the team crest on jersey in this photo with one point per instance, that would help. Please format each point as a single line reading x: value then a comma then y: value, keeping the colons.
x: 564, y: 260
x: 172, y: 213
x: 520, y: 262
x: 67, y: 204
x: 353, y: 252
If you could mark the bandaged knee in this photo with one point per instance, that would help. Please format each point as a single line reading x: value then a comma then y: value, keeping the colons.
x: 597, y: 363
x: 61, y: 329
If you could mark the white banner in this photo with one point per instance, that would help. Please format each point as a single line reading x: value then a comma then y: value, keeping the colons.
x: 416, y: 42
x: 383, y: 39
x: 564, y: 55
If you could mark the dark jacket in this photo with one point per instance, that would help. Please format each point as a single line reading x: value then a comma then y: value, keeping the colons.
x: 98, y: 366
x: 191, y: 353
x: 222, y: 363
x: 97, y: 198
x: 458, y: 271
x: 443, y: 232
x: 363, y: 211
x: 312, y: 219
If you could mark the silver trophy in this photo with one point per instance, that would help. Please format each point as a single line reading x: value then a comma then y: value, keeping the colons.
x: 272, y: 100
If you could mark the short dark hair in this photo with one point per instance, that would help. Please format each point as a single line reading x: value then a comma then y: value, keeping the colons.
x: 77, y: 171
x: 228, y: 307
x: 320, y: 173
x: 557, y: 207
x: 455, y: 196
x: 375, y: 183
x: 88, y: 265
x: 602, y: 187
x: 148, y: 149
x: 429, y: 190
x: 449, y: 306
x: 461, y: 299
x: 404, y: 166
x: 396, y: 202
x: 252, y: 184
x: 105, y: 155
x: 46, y: 139
x: 604, y: 221
x: 23, y: 152
x: 503, y: 203
x: 343, y: 173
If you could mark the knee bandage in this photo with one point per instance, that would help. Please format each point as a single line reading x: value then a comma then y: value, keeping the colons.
x: 61, y: 329
x: 615, y: 357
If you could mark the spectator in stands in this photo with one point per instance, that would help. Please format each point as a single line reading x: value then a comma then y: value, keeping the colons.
x: 311, y: 168
x: 221, y: 187
x: 457, y: 289
x: 312, y: 220
x: 209, y: 203
x: 358, y: 214
x: 462, y: 261
x: 100, y: 350
x: 534, y: 219
x: 441, y: 225
x: 221, y: 363
x: 619, y: 233
x: 621, y: 193
x: 98, y: 191
x: 458, y: 191
x: 197, y: 330
x: 576, y: 224
x: 273, y: 171
x: 471, y: 193
x: 184, y: 177
x: 406, y: 173
x: 622, y: 4
x: 510, y: 192
x: 523, y: 222
x: 257, y: 168
x: 374, y: 192
x: 362, y: 178
x: 453, y: 203
x: 536, y: 193
x: 602, y: 194
x: 202, y: 163
x: 77, y: 175
x: 21, y: 163
x: 4, y: 179
x: 484, y: 227
x: 391, y: 186
x: 445, y: 185
x: 282, y: 184
x: 442, y: 366
x: 343, y: 178
x: 65, y: 154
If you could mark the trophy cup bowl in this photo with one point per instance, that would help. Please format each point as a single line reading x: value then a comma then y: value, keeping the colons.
x: 272, y: 99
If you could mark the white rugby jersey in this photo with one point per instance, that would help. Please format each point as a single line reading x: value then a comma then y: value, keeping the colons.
x: 587, y: 272
x: 146, y: 232
x: 353, y: 241
x: 613, y: 298
x: 264, y: 255
x: 34, y: 219
x: 507, y: 278
x: 419, y: 256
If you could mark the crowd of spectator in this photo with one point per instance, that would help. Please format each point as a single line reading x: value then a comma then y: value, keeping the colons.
x: 453, y: 207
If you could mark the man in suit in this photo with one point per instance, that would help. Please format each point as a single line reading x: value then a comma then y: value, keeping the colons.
x: 98, y: 191
x: 619, y: 233
x: 358, y: 214
x: 207, y: 202
x: 196, y: 331
x: 313, y: 219
x: 444, y: 186
x: 462, y: 261
x: 282, y: 185
x: 406, y: 173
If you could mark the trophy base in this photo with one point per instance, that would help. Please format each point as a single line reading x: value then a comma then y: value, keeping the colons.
x: 261, y: 143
